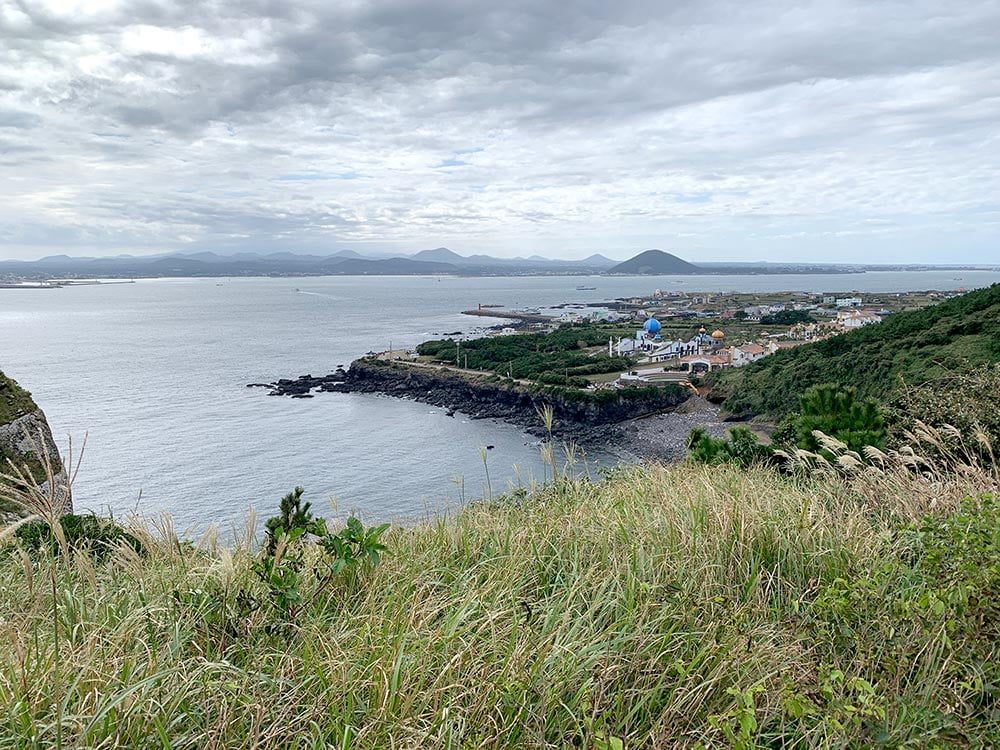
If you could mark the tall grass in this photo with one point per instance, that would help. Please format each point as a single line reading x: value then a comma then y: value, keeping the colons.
x: 663, y: 607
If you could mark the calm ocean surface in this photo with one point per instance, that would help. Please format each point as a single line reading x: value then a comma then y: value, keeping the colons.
x: 155, y: 374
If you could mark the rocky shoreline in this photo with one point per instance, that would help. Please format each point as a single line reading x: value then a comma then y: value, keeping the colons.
x: 654, y: 426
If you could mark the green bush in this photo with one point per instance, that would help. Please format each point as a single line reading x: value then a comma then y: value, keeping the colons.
x: 967, y: 401
x: 829, y: 409
x: 88, y: 533
x: 787, y: 318
x: 742, y: 448
x: 281, y: 564
x: 837, y: 412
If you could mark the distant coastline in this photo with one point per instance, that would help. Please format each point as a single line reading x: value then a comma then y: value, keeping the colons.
x: 438, y: 262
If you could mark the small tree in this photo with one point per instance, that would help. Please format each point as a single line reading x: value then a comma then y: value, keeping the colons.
x: 836, y: 411
x: 292, y: 515
x: 743, y: 448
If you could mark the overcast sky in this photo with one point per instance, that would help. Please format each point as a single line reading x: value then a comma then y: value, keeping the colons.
x: 738, y: 130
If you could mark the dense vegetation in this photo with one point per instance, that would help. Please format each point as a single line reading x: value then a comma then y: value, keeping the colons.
x: 14, y: 400
x: 93, y: 535
x: 908, y: 348
x: 663, y: 607
x: 832, y: 410
x: 969, y: 402
x: 787, y: 318
x: 557, y: 358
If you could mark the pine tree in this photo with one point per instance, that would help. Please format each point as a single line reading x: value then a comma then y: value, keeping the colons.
x: 836, y: 411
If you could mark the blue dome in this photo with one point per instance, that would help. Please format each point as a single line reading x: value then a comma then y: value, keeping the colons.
x: 652, y: 325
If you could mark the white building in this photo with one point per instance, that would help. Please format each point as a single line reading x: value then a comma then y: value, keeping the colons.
x: 744, y: 355
x: 850, y: 319
x: 848, y: 302
x: 623, y: 347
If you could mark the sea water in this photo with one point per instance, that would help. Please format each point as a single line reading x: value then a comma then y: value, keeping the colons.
x: 154, y: 375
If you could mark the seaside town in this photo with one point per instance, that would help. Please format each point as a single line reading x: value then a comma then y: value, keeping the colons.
x: 676, y: 336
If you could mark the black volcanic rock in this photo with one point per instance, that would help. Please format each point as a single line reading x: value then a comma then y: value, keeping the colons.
x: 655, y: 262
x: 481, y: 400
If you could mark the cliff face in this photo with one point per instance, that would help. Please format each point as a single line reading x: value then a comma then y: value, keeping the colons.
x: 494, y: 400
x: 25, y: 435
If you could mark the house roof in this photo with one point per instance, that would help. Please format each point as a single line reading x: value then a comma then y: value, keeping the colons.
x: 714, y: 359
x: 752, y: 349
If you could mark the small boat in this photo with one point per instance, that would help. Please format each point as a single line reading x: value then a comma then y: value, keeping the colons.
x: 586, y: 288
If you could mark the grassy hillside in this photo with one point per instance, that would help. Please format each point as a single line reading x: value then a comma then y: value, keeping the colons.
x: 910, y: 347
x: 663, y: 608
x: 14, y: 400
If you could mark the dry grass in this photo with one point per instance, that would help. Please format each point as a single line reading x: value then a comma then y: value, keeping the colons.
x: 666, y: 607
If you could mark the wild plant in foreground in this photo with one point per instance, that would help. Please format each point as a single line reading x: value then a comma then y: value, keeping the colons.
x: 664, y: 607
x: 45, y: 502
x: 281, y: 563
x: 937, y: 468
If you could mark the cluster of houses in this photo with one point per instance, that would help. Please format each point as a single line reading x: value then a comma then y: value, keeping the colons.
x: 702, y: 353
x: 844, y: 312
x: 592, y: 316
x: 705, y: 352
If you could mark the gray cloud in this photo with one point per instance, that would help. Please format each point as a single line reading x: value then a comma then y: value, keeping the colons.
x: 721, y: 129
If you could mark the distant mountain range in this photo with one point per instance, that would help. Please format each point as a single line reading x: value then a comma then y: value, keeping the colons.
x: 436, y: 261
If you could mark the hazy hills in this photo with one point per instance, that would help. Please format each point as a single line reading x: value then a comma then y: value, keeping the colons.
x: 435, y: 261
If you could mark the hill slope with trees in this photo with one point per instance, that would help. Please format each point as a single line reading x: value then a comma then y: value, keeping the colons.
x: 907, y: 348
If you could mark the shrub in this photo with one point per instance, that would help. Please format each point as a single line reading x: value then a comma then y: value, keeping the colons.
x: 88, y: 533
x: 836, y: 411
x: 966, y: 401
x: 283, y: 558
x: 743, y: 448
x: 787, y: 318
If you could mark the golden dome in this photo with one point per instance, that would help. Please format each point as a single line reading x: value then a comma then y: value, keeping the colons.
x: 701, y: 330
x: 718, y: 335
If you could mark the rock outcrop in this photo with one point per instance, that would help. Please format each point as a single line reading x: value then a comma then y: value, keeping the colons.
x: 25, y: 437
x: 482, y: 399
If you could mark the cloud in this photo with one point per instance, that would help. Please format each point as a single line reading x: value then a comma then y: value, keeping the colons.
x: 723, y: 130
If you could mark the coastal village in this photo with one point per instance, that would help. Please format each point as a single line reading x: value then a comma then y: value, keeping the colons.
x: 677, y: 336
x: 666, y: 339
